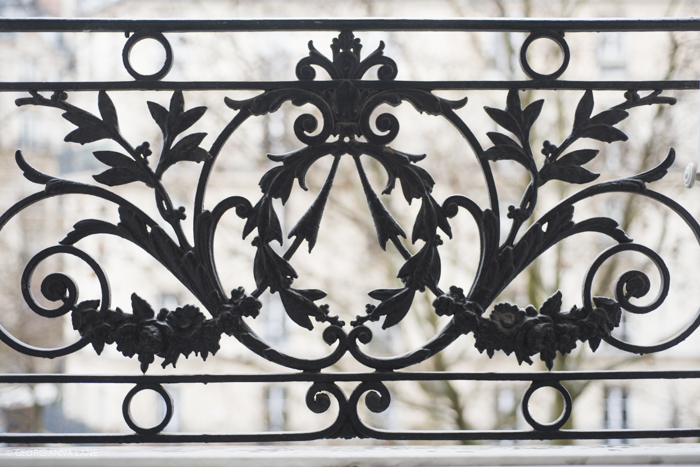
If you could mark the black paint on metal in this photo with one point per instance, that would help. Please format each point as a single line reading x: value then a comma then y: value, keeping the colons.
x: 135, y: 39
x: 561, y: 420
x: 129, y: 418
x: 364, y: 24
x: 558, y: 38
x: 347, y: 128
x: 553, y: 85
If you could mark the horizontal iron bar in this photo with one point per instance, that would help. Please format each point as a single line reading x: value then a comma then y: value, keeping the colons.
x: 264, y: 437
x: 533, y: 435
x: 347, y: 377
x: 373, y: 24
x: 317, y: 85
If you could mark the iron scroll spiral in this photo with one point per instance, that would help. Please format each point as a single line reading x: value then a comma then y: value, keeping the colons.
x: 377, y: 400
x: 636, y: 284
x: 318, y: 401
x: 306, y: 124
x: 56, y: 287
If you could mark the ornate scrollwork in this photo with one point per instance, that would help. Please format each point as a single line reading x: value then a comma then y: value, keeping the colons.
x: 347, y: 109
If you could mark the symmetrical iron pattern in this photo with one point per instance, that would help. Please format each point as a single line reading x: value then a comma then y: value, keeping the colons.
x: 346, y: 103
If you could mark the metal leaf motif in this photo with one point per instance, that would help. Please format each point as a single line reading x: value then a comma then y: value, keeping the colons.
x: 568, y: 168
x: 90, y: 128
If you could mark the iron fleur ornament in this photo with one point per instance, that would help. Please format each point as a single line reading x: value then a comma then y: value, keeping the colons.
x: 345, y: 131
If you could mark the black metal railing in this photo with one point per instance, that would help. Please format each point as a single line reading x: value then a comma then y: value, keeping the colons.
x: 347, y: 104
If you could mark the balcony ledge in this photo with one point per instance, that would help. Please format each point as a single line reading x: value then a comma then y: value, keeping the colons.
x: 351, y: 456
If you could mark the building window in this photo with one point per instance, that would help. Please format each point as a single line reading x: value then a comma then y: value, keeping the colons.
x: 612, y: 55
x: 275, y: 408
x: 616, y: 410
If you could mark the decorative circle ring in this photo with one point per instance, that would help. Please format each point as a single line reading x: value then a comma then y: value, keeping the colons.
x: 126, y: 409
x: 138, y: 37
x: 559, y: 422
x: 563, y: 46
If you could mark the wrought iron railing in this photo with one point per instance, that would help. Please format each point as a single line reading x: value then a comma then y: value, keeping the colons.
x: 348, y: 129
